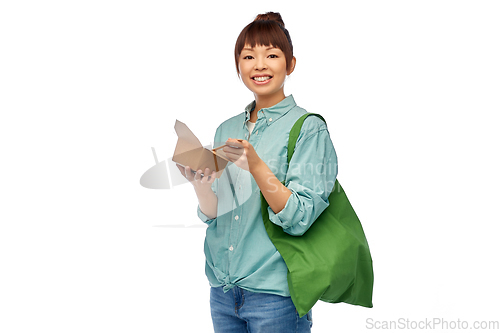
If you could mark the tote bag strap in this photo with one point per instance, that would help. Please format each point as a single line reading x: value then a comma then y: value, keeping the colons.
x: 295, y: 131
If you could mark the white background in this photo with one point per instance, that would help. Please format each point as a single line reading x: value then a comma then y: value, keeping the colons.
x: 410, y: 93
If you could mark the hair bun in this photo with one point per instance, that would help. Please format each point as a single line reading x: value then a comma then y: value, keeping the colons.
x: 271, y: 16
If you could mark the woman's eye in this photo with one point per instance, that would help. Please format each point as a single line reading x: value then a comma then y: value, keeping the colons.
x: 247, y: 57
x: 273, y: 56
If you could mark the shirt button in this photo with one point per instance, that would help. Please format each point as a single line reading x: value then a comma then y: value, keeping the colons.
x: 240, y: 187
x: 257, y: 132
x: 236, y: 217
x: 231, y: 248
x: 270, y: 119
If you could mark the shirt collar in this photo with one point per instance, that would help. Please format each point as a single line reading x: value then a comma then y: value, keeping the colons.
x: 272, y: 113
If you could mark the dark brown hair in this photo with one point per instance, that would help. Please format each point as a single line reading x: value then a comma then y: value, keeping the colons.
x: 268, y: 30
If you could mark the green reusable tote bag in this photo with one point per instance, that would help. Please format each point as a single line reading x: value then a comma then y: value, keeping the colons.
x: 331, y: 261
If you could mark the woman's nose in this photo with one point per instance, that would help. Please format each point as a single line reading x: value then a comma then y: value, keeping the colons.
x: 260, y: 64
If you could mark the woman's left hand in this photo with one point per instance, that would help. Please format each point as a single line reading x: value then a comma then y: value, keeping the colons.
x: 244, y: 156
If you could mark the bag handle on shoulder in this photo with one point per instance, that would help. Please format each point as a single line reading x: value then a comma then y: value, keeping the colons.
x: 295, y: 131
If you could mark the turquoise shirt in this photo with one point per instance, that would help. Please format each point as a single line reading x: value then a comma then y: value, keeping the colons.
x: 237, y: 248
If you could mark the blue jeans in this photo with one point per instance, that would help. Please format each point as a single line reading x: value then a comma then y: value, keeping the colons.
x: 244, y: 311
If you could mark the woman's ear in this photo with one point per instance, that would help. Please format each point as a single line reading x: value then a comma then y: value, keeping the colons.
x: 292, y: 66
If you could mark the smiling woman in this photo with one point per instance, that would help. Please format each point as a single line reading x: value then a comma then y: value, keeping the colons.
x: 264, y: 57
x: 245, y: 270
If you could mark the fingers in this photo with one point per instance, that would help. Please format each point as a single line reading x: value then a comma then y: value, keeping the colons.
x: 212, y: 177
x: 187, y: 172
x: 236, y: 143
x: 206, y: 174
x: 197, y: 176
x: 233, y: 153
x: 203, y: 176
x: 208, y: 177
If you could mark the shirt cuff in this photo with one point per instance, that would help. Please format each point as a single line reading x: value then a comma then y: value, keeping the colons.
x: 203, y: 217
x: 300, y: 210
x: 285, y: 216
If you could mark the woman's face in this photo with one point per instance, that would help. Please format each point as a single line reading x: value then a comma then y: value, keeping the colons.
x: 263, y: 70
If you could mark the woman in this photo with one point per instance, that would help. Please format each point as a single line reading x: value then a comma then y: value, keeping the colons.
x: 248, y: 277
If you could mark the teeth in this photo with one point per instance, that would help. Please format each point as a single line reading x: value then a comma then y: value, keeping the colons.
x: 261, y: 78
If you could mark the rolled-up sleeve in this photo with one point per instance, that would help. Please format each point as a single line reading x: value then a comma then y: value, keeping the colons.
x: 310, y: 177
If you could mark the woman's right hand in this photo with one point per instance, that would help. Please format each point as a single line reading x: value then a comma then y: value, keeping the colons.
x: 196, y: 179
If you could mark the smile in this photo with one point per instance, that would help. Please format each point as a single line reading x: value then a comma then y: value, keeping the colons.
x: 261, y: 79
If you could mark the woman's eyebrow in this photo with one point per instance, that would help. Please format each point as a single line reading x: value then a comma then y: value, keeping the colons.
x: 251, y: 49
